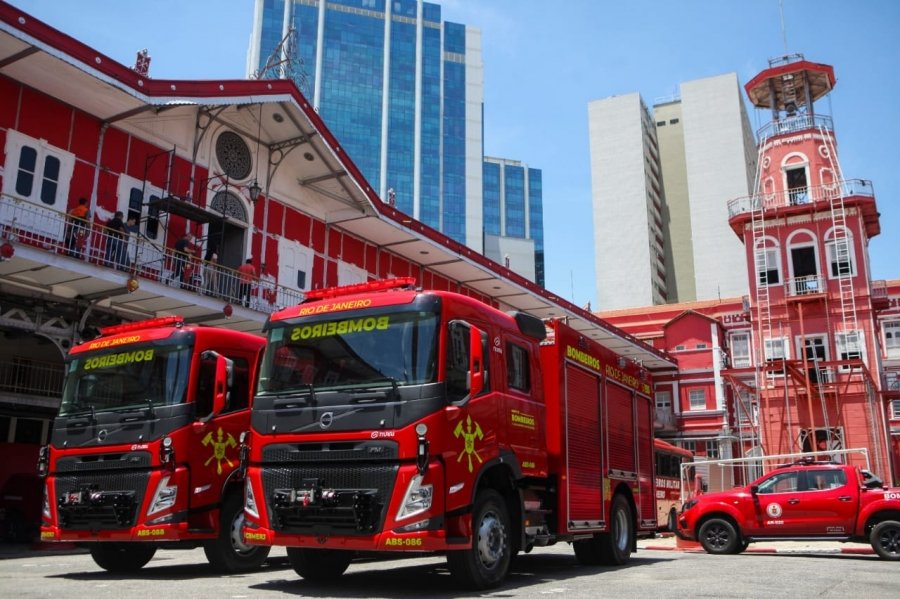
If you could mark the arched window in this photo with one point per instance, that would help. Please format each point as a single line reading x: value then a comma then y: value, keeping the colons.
x: 839, y: 253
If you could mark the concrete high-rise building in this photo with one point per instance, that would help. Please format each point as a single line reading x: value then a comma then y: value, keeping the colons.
x: 514, y: 217
x: 400, y: 88
x: 661, y: 182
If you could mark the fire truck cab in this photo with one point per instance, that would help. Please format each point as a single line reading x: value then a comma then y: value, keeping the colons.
x: 395, y: 419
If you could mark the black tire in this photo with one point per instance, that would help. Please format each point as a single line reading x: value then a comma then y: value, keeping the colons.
x: 611, y: 548
x: 319, y: 564
x: 885, y: 539
x: 671, y: 523
x: 719, y: 537
x: 122, y: 557
x: 229, y: 553
x: 741, y: 546
x: 484, y: 565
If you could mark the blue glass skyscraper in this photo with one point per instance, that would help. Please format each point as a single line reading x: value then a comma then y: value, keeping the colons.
x: 514, y: 217
x: 402, y: 91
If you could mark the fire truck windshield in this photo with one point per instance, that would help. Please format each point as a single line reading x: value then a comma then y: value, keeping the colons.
x: 351, y: 349
x: 129, y: 377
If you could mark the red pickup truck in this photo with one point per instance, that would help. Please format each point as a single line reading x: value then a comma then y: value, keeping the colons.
x: 806, y: 500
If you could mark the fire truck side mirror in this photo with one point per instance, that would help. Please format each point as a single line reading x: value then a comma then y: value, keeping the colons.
x: 476, y: 362
x: 223, y: 373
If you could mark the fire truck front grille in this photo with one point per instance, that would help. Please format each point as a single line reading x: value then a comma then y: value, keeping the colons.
x: 105, y: 461
x: 100, y: 500
x: 332, y: 498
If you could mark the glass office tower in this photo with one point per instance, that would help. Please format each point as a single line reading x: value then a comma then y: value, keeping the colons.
x: 401, y: 89
x: 514, y: 217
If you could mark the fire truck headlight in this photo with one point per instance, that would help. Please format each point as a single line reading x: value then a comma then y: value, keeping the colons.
x: 164, y: 498
x: 417, y: 498
x: 250, y: 500
x: 45, y: 507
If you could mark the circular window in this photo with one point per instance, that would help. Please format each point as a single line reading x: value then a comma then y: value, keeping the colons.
x: 233, y: 155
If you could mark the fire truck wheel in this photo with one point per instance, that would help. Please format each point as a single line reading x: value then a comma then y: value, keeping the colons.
x: 718, y: 536
x: 485, y: 563
x: 229, y: 552
x: 885, y: 539
x: 670, y: 522
x: 319, y: 564
x: 614, y: 547
x: 122, y: 557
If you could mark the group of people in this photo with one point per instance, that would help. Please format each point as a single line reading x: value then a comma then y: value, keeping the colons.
x: 208, y: 278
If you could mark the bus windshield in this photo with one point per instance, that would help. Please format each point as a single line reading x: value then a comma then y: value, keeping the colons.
x: 352, y: 349
x: 126, y: 378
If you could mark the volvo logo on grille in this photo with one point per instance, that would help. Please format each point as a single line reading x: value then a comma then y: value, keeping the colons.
x: 326, y: 419
x: 102, y: 435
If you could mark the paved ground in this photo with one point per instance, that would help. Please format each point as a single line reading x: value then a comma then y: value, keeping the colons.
x: 662, y: 543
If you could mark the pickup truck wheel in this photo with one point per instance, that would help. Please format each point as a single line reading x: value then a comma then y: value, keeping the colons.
x: 718, y: 537
x: 319, y: 564
x: 485, y: 563
x: 885, y: 539
x: 122, y: 557
x: 229, y: 553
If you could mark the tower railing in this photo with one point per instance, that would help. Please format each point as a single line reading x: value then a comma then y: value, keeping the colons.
x: 798, y: 196
x: 793, y: 124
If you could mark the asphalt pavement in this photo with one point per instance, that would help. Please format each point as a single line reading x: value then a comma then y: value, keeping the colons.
x: 665, y: 542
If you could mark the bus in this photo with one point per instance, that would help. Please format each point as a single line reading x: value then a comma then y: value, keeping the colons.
x: 668, y: 481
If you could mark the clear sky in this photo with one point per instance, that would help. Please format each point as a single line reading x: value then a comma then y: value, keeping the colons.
x: 544, y: 60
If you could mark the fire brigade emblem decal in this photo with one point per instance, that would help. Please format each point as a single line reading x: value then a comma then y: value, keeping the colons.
x: 469, y: 435
x: 774, y: 510
x: 219, y: 446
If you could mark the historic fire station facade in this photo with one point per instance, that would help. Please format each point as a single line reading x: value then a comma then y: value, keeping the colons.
x: 810, y: 360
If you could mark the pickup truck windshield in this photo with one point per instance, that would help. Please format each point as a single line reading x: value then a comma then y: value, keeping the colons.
x: 351, y: 349
x: 129, y: 377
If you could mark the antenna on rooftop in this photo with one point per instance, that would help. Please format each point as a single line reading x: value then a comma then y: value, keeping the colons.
x: 783, y: 28
x: 285, y: 63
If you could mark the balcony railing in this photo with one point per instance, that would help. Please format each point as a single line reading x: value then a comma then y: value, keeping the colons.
x: 31, y: 378
x: 24, y: 222
x: 808, y: 285
x: 794, y: 124
x: 799, y: 196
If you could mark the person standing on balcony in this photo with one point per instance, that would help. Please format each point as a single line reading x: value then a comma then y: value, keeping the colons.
x: 183, y: 247
x: 76, y: 231
x: 211, y: 272
x: 247, y: 275
x: 115, y: 246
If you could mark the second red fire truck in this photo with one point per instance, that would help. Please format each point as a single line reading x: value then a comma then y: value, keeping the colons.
x: 393, y: 419
x: 144, y: 450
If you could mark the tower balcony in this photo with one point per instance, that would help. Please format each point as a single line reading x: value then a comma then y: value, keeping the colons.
x: 794, y: 124
x: 800, y: 200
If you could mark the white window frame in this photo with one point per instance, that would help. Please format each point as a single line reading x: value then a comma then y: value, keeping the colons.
x: 740, y: 359
x: 831, y: 249
x: 815, y: 342
x: 15, y: 142
x: 664, y: 400
x: 843, y: 352
x: 689, y: 445
x: 771, y: 355
x: 773, y: 258
x: 895, y: 409
x: 692, y: 393
x: 890, y: 330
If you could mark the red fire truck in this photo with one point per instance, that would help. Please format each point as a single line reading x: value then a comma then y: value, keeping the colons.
x: 394, y: 419
x: 144, y: 451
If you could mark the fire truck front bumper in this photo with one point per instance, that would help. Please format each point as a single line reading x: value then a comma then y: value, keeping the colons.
x: 162, y: 532
x: 423, y: 540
